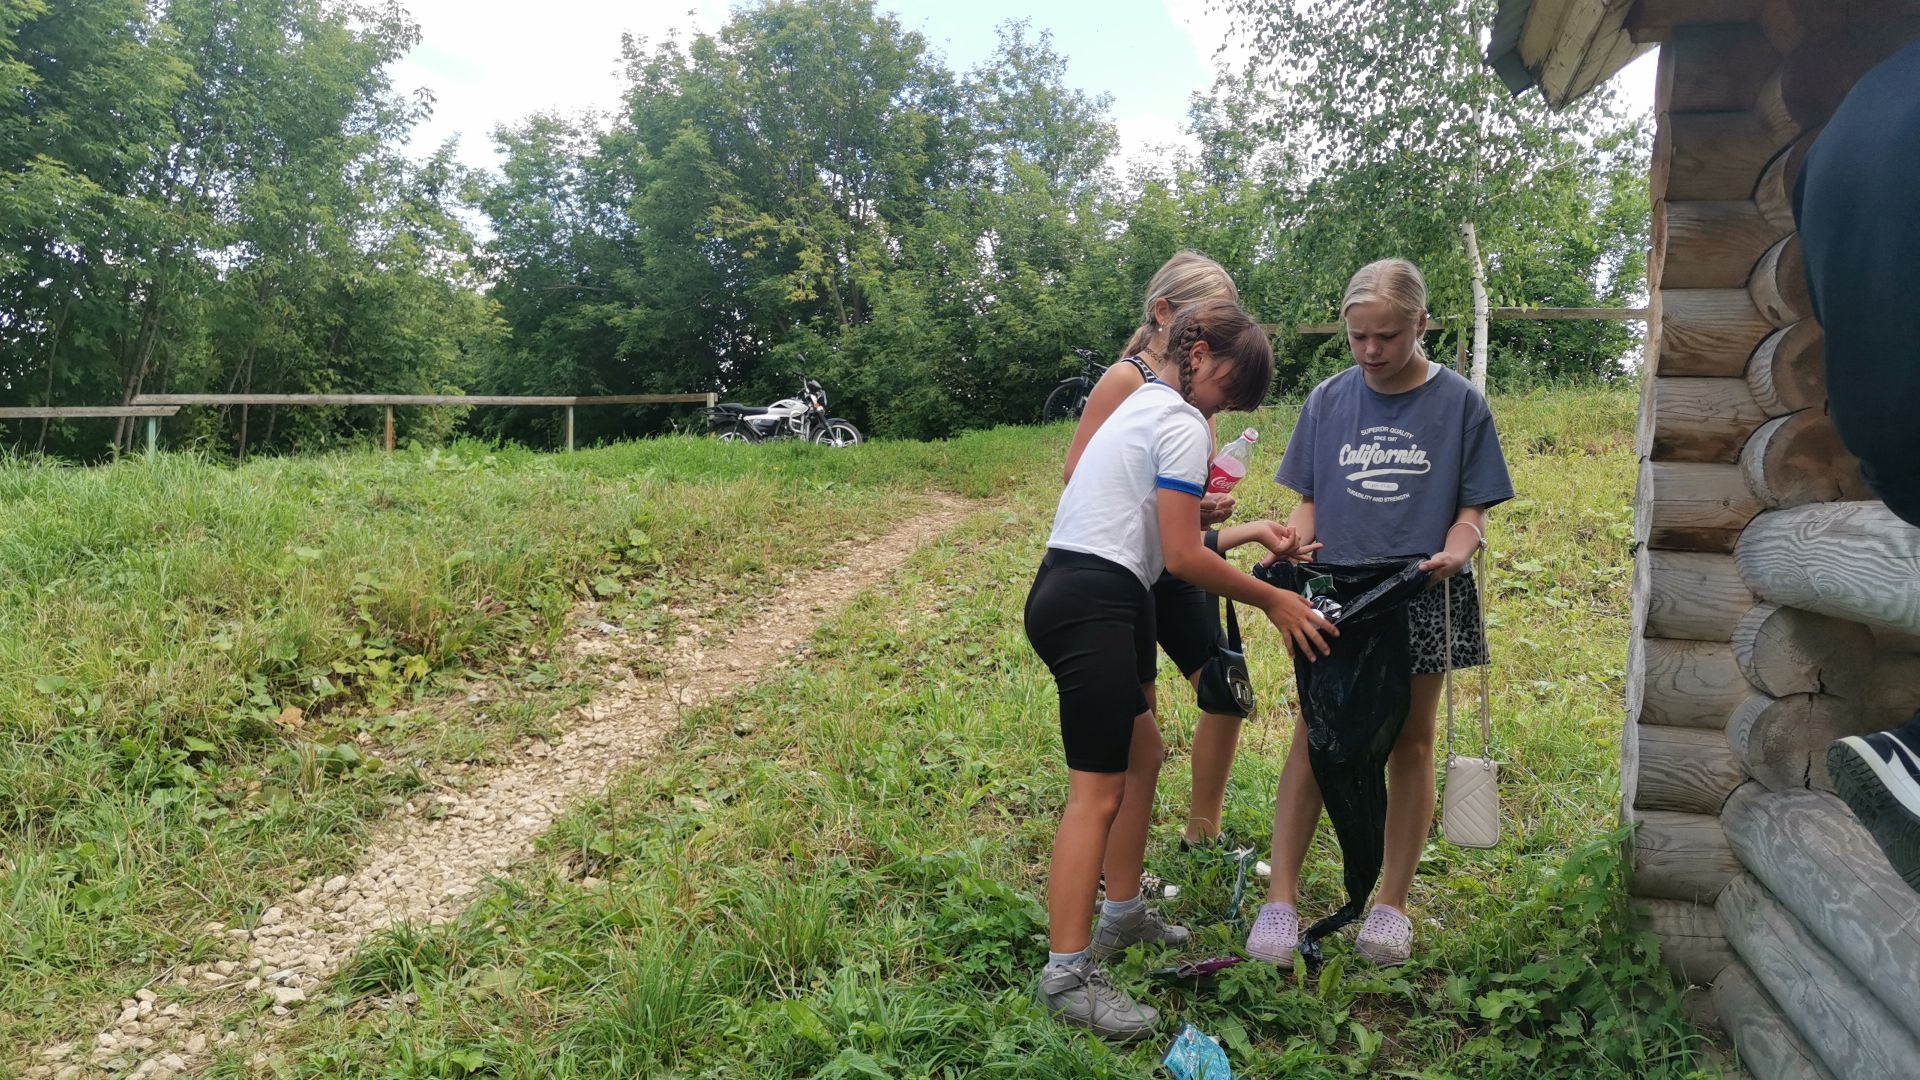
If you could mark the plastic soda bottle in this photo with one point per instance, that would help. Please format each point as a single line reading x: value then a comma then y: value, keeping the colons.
x: 1230, y: 465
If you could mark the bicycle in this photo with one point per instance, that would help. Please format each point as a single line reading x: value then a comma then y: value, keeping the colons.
x: 1069, y: 399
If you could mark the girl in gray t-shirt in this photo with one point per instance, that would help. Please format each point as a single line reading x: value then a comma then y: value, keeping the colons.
x: 1396, y: 456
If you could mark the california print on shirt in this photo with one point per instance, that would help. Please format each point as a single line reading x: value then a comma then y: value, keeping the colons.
x: 1385, y: 457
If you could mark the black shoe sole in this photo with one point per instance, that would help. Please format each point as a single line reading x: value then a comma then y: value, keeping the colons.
x: 1894, y: 827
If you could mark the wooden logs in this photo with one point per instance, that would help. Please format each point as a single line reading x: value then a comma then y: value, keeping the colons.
x: 1689, y: 506
x: 1697, y: 419
x: 1690, y: 595
x: 1678, y: 856
x: 1851, y: 1032
x: 1788, y: 372
x: 1653, y: 22
x: 1706, y: 331
x: 1714, y: 155
x: 1692, y: 945
x: 1684, y: 769
x: 1895, y: 696
x: 1852, y: 560
x: 1782, y: 742
x: 1821, y: 865
x: 1769, y: 1047
x: 1691, y: 684
x: 1799, y: 459
x: 1809, y: 85
x: 1712, y: 245
x: 1779, y: 284
x: 1774, y: 193
x: 1719, y: 66
x: 1783, y: 650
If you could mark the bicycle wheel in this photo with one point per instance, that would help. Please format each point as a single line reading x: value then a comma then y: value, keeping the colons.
x: 1066, y: 402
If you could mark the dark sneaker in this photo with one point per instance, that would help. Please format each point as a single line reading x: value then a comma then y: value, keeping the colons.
x: 1878, y: 777
x: 1079, y: 994
x: 1116, y: 935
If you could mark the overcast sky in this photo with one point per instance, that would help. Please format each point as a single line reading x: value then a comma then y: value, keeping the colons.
x: 489, y: 62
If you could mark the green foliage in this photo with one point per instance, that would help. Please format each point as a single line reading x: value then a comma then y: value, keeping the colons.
x: 210, y: 195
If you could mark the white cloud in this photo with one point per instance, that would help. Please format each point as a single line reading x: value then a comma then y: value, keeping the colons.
x: 493, y: 62
x: 1211, y: 32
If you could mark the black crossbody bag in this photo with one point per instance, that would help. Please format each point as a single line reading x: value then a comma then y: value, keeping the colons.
x: 1224, y: 686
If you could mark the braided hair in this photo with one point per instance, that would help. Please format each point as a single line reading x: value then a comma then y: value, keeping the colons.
x: 1233, y: 339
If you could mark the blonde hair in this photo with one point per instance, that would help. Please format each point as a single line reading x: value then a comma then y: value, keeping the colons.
x: 1187, y: 278
x: 1394, y: 282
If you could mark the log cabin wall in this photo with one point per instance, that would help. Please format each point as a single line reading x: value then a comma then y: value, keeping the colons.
x: 1775, y: 608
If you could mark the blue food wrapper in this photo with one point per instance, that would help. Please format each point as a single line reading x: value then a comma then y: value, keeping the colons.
x: 1194, y: 1056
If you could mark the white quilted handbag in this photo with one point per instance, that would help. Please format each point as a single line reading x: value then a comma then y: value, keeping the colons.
x: 1470, y: 803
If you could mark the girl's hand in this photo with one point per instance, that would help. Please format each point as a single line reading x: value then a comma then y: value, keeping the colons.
x: 1281, y: 541
x: 1304, y: 627
x: 1443, y: 565
x: 1216, y: 507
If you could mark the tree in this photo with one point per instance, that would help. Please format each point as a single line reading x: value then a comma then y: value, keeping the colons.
x: 1387, y: 132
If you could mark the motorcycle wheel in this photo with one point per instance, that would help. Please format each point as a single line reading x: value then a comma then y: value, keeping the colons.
x: 736, y: 434
x: 1066, y: 402
x: 838, y: 433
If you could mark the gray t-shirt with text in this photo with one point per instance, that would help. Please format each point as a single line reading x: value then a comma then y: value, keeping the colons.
x: 1388, y: 473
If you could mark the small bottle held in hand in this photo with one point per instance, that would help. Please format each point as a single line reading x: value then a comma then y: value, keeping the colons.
x: 1230, y: 465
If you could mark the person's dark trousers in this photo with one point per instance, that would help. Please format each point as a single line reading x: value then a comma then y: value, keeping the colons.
x: 1857, y: 205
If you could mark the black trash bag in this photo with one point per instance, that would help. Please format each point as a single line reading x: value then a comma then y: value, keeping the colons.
x: 1355, y: 702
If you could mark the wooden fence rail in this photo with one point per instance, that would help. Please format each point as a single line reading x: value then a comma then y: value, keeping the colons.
x: 390, y: 401
x: 153, y: 413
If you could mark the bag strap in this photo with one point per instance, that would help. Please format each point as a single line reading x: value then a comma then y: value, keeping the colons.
x: 1233, y: 628
x: 1486, y: 679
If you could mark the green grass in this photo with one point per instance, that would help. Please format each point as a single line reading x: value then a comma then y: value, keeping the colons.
x: 838, y: 875
x: 158, y: 620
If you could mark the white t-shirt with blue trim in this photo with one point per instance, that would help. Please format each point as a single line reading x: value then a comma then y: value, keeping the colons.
x: 1111, y: 507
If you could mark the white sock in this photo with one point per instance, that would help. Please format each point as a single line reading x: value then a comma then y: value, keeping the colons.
x: 1113, y: 909
x: 1064, y: 959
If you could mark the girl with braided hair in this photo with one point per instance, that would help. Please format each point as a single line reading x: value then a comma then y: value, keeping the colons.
x: 1132, y: 510
x: 1186, y: 618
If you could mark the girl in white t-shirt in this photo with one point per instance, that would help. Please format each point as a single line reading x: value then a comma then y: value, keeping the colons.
x: 1131, y: 510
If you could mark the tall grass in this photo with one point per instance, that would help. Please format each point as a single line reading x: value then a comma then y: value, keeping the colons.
x: 213, y: 679
x: 844, y: 880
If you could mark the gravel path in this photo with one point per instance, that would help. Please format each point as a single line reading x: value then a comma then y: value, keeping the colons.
x: 428, y: 870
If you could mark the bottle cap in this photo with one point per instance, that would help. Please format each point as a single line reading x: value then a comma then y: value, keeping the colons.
x: 1250, y: 435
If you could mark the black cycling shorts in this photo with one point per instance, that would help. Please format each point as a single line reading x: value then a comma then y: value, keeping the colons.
x: 1091, y: 621
x: 1186, y: 620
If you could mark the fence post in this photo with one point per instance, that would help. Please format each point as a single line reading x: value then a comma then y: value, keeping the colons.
x: 389, y: 429
x: 153, y: 436
x: 569, y: 427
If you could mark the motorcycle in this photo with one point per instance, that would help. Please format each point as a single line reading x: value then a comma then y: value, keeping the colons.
x: 803, y: 417
x: 1069, y: 399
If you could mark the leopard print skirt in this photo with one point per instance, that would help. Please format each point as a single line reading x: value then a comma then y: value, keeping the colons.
x: 1427, y: 616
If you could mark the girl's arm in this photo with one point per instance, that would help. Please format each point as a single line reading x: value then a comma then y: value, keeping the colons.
x: 1302, y: 523
x: 1281, y: 541
x: 1459, y: 545
x: 1119, y: 383
x: 1187, y: 556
